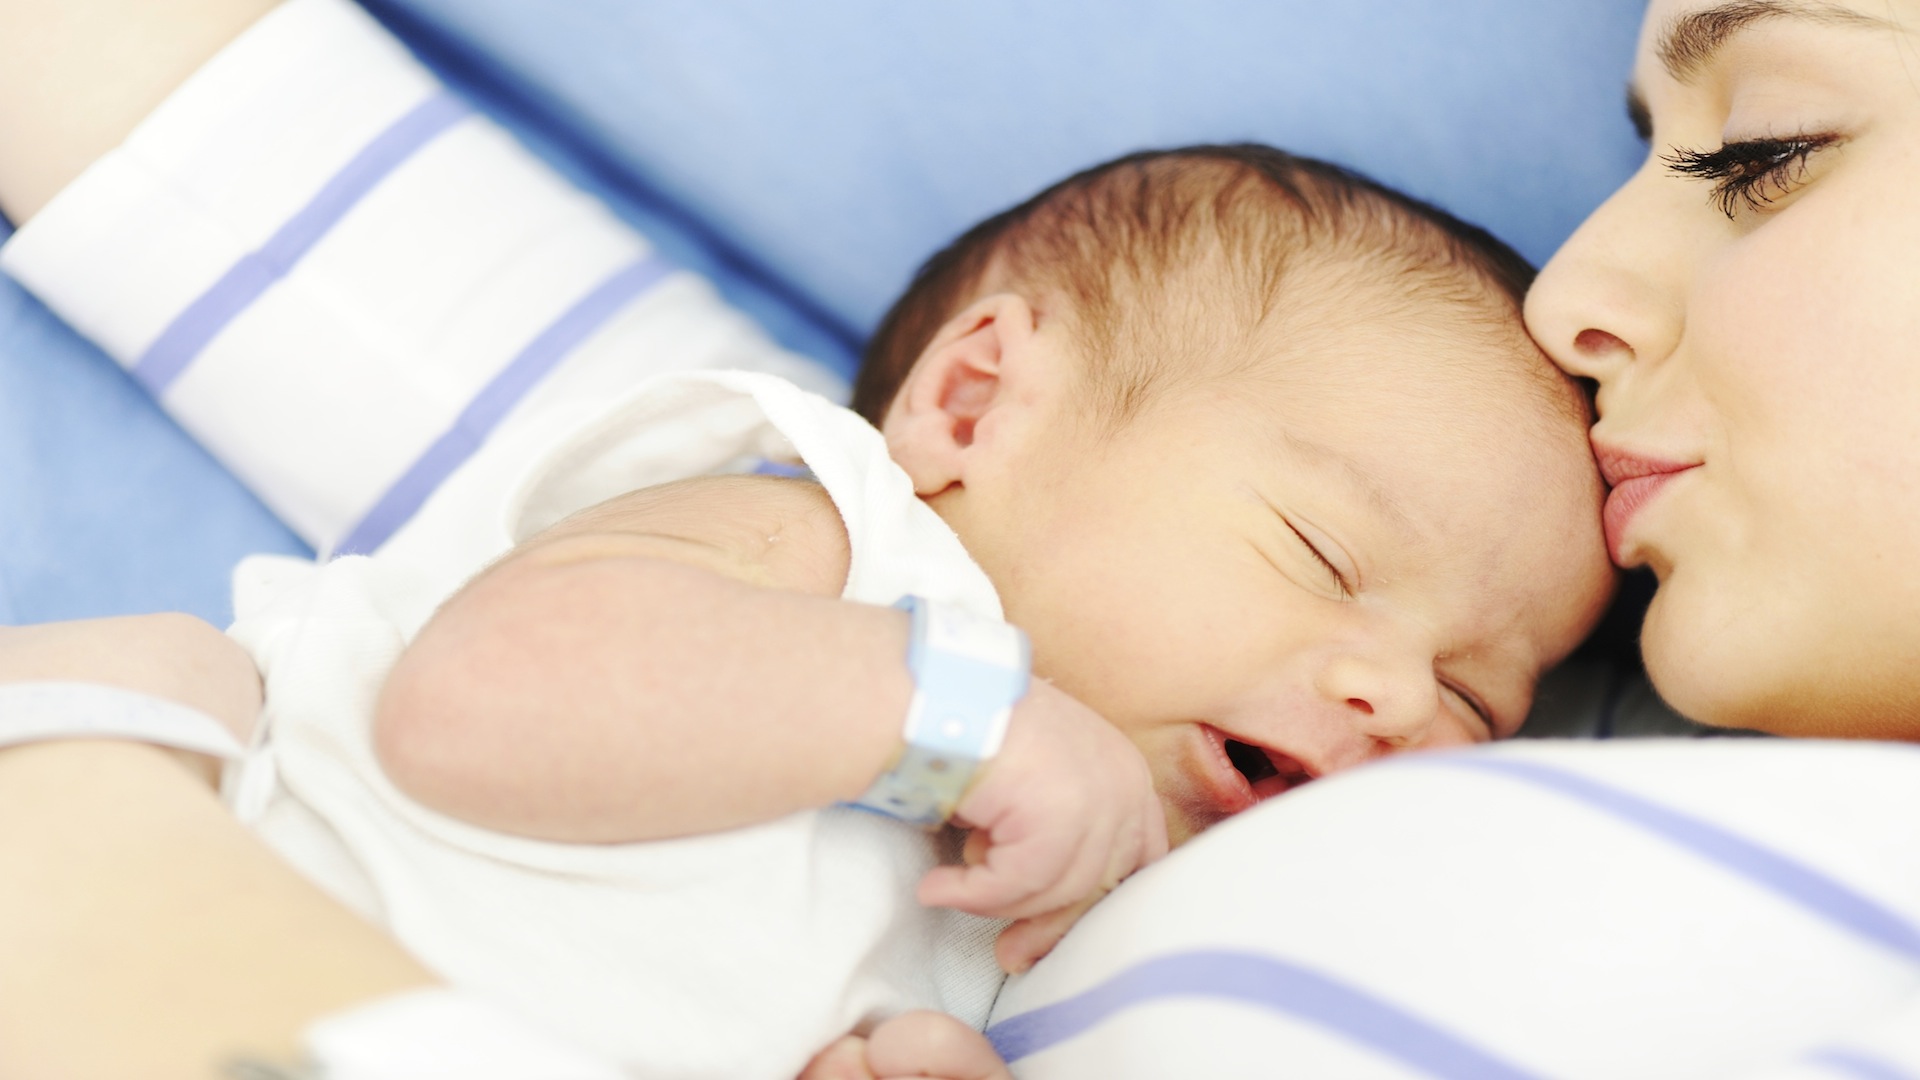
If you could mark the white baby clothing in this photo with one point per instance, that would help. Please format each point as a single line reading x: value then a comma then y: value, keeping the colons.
x: 734, y: 955
x: 413, y: 338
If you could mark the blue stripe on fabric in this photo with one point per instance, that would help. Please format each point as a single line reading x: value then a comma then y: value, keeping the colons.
x: 498, y: 397
x: 1786, y: 877
x: 782, y: 469
x: 1262, y: 981
x: 190, y: 332
x: 1857, y: 1065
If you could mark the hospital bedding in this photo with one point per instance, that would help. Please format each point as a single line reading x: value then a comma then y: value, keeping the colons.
x: 106, y: 507
x: 804, y: 159
x: 1646, y: 910
x: 346, y: 301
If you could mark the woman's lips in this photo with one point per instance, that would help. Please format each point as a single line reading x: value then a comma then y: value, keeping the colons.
x: 1634, y: 481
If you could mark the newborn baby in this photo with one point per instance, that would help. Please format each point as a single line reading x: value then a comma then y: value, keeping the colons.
x: 1254, y: 450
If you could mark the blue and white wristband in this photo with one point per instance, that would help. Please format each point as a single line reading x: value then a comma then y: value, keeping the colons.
x: 968, y: 674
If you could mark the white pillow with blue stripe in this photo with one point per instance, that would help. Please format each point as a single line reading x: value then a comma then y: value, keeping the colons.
x: 1645, y: 910
x: 342, y: 280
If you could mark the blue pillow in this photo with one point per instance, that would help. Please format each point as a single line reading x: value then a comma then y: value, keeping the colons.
x: 838, y: 144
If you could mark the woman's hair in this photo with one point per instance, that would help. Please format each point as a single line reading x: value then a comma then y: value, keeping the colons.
x: 1135, y: 247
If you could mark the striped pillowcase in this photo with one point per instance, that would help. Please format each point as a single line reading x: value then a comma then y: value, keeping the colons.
x: 342, y: 280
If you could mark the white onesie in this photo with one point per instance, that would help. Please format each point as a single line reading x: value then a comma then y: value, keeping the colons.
x: 413, y: 338
x: 728, y: 956
x: 735, y: 955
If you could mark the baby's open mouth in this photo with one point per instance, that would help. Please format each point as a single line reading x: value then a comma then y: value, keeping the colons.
x: 1268, y: 772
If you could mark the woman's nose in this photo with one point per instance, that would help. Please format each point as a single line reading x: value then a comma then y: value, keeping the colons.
x: 1611, y: 295
x: 1389, y: 699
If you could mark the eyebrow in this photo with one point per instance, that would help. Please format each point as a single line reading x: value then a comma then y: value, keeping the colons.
x: 1358, y: 478
x: 1689, y: 43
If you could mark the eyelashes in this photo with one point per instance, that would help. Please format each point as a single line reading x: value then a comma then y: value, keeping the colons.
x: 1478, y: 708
x: 1339, y: 579
x: 1752, y: 173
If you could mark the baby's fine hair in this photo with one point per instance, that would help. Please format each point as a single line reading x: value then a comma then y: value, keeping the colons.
x: 1218, y: 227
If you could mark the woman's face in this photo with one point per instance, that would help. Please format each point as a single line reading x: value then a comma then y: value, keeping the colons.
x: 1749, y: 306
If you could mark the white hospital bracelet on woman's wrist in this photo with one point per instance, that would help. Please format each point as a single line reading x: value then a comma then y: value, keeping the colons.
x: 56, y: 710
x: 968, y: 673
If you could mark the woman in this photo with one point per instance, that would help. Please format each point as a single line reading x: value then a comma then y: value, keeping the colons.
x: 1748, y: 310
x: 1745, y: 305
x: 1749, y: 306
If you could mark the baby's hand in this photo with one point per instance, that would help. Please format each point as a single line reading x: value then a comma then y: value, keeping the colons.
x: 915, y: 1044
x: 1065, y: 811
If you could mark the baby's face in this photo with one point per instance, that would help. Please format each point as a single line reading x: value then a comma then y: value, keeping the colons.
x: 1377, y: 547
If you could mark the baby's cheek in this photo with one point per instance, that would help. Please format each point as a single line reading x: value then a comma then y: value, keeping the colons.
x: 1454, y: 731
x: 1114, y: 670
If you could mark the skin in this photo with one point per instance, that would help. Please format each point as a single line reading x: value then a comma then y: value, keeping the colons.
x: 1210, y: 508
x: 915, y: 1044
x: 1387, y: 452
x: 1308, y: 570
x: 1773, y: 348
x: 147, y: 933
x: 1392, y: 451
x: 77, y: 75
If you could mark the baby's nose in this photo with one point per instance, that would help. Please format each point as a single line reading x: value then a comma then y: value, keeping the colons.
x: 1388, y: 699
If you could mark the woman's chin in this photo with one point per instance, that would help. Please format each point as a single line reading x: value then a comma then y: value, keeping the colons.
x: 1775, y: 669
x: 1713, y: 668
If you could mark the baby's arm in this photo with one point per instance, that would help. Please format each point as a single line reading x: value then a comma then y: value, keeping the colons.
x: 675, y: 661
x: 679, y: 661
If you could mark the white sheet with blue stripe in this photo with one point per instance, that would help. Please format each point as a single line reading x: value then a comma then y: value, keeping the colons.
x: 1650, y: 910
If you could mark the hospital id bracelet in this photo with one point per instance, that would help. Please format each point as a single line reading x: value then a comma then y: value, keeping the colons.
x: 968, y: 673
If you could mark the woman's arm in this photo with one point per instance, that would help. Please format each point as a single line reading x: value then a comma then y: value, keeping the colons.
x: 76, y: 76
x: 145, y: 932
x: 177, y: 657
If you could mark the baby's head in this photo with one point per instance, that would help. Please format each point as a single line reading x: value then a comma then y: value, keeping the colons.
x: 1260, y: 455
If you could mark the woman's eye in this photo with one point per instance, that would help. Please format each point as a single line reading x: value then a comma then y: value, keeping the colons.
x: 1753, y: 173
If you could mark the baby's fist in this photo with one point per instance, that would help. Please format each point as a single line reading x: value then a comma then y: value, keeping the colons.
x: 1061, y: 815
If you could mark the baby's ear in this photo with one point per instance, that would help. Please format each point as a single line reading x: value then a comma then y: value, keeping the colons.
x: 962, y: 377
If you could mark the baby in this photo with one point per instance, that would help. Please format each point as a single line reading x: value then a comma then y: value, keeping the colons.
x: 1254, y: 451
